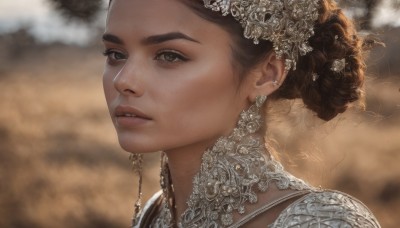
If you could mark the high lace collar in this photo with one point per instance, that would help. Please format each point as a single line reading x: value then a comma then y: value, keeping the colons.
x: 232, y: 174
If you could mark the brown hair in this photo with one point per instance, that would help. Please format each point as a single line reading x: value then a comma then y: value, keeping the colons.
x: 335, y: 38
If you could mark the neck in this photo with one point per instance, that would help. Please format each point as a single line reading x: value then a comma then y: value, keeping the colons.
x: 214, y: 173
x: 184, y: 164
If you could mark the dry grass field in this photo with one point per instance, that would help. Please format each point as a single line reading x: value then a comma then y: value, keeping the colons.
x: 61, y: 166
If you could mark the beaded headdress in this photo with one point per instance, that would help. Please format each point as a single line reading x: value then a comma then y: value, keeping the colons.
x: 288, y: 24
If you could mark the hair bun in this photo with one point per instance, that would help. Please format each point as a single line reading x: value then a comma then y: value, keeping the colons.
x: 325, y: 90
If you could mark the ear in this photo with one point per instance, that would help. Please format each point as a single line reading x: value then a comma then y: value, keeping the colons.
x: 267, y: 76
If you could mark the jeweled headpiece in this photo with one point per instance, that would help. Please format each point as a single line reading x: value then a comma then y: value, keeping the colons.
x: 288, y: 24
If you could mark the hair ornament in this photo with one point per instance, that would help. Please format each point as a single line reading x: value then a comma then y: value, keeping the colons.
x: 338, y: 65
x: 315, y: 77
x: 288, y: 24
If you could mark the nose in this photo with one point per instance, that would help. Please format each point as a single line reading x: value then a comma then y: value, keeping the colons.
x: 127, y: 81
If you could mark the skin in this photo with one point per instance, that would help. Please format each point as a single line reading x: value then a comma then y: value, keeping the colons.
x: 184, y: 83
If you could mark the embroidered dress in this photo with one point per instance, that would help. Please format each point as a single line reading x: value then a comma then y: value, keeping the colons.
x: 234, y: 173
x: 318, y: 208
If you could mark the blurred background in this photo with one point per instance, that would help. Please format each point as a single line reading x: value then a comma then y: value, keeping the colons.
x: 60, y: 163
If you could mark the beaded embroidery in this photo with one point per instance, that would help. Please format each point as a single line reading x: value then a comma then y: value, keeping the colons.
x: 288, y: 24
x: 235, y: 169
x: 326, y: 209
x: 231, y: 173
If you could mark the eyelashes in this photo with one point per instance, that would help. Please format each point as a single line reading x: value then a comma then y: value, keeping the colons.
x: 166, y: 56
x: 114, y: 56
x: 170, y: 56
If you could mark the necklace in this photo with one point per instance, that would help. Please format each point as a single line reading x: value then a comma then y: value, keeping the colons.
x: 232, y: 172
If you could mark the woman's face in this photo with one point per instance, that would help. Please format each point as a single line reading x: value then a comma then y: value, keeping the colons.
x: 169, y: 80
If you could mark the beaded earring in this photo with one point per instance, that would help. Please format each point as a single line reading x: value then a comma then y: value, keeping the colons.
x: 137, y: 162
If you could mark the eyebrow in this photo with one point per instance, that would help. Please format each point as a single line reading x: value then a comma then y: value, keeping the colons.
x: 112, y: 39
x: 167, y: 37
x: 151, y: 40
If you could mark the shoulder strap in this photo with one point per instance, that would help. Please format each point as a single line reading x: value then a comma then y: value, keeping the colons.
x: 148, y: 210
x: 268, y: 206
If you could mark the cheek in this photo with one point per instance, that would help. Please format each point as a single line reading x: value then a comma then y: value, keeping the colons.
x: 108, y: 86
x: 203, y: 104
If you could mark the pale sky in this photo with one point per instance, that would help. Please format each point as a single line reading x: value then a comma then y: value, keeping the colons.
x: 43, y: 23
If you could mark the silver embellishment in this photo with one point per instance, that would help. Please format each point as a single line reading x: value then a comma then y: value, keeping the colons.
x: 166, y: 219
x: 326, y: 209
x: 288, y: 24
x: 315, y: 77
x: 236, y: 168
x: 231, y: 174
x: 338, y: 65
x: 137, y: 162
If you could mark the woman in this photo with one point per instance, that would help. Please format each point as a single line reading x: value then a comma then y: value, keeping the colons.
x: 191, y: 79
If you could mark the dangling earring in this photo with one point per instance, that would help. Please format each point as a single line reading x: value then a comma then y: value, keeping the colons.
x: 167, y: 188
x: 260, y: 100
x: 251, y: 120
x: 137, y: 162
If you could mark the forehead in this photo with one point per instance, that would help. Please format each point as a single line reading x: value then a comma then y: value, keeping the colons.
x: 138, y: 9
x: 149, y: 17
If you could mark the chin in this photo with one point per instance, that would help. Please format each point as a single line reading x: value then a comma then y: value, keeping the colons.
x: 135, y: 147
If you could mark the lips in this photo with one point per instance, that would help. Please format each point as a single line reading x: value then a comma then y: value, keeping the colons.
x: 128, y: 117
x: 129, y: 111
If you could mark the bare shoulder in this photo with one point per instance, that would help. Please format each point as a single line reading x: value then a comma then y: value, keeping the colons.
x: 326, y: 209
